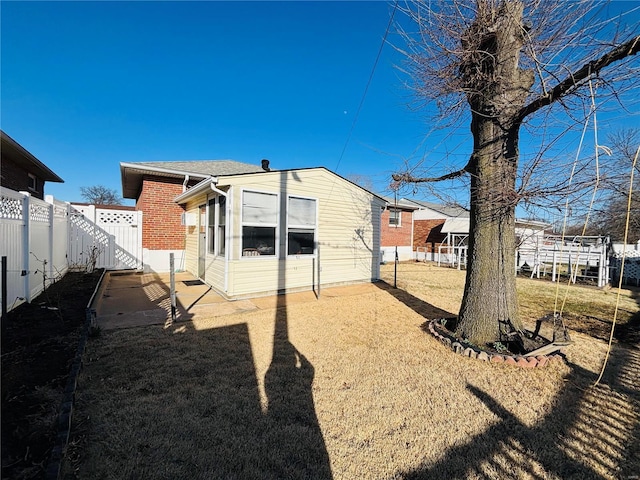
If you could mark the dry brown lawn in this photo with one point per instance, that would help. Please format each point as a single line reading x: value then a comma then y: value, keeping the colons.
x: 353, y: 388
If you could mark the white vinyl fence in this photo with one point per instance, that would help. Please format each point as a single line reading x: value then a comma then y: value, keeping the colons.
x: 111, y: 237
x: 631, y: 273
x: 34, y: 237
x: 42, y: 240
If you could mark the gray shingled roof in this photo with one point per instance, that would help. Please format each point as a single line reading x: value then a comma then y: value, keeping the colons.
x: 132, y: 173
x: 205, y: 167
x: 446, y: 210
x: 402, y: 203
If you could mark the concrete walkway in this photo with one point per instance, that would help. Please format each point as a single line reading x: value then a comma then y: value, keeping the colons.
x: 133, y: 299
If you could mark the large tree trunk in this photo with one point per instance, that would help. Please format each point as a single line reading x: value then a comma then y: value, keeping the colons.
x: 490, y: 301
x: 496, y: 91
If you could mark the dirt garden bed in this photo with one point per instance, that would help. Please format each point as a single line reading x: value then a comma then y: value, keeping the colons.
x: 39, y: 342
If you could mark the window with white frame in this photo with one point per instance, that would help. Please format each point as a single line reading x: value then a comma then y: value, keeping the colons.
x: 222, y: 224
x: 211, y: 225
x: 33, y: 182
x: 395, y: 216
x: 259, y: 223
x: 301, y: 226
x: 216, y: 224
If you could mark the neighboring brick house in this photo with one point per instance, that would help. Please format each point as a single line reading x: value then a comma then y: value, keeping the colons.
x: 439, y: 230
x: 154, y: 186
x: 397, y: 230
x: 21, y: 171
x: 429, y: 232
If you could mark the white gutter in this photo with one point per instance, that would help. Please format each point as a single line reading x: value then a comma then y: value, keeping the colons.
x: 198, y: 188
x: 184, y: 184
x: 202, y: 188
x: 137, y: 166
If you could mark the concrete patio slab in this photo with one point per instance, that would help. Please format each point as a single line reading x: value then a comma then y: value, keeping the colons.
x: 133, y: 299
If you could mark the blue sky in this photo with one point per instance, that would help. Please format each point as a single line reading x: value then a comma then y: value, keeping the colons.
x: 87, y: 85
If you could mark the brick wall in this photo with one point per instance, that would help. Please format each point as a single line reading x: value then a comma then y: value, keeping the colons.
x: 16, y: 178
x: 391, y: 235
x: 427, y: 233
x: 161, y: 219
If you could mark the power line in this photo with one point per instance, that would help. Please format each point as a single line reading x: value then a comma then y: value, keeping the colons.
x: 366, y: 89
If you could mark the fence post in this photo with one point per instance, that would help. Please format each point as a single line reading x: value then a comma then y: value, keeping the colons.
x: 139, y: 250
x: 51, y: 236
x: 26, y: 237
x: 69, y: 237
x: 601, y: 261
x: 3, y: 319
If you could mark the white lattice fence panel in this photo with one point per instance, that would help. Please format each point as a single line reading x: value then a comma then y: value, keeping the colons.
x: 81, y: 241
x: 631, y: 274
x: 113, y: 235
x: 39, y: 211
x: 34, y: 234
x: 10, y: 205
x: 126, y: 227
x: 61, y: 237
x: 631, y: 253
x: 12, y: 245
x: 39, y: 257
x: 116, y: 217
x: 632, y: 269
x: 40, y: 243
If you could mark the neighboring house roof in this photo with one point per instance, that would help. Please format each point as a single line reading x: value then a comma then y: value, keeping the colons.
x: 455, y: 225
x: 535, y: 224
x: 447, y: 211
x: 132, y: 173
x: 19, y: 155
x: 452, y: 225
x: 400, y: 203
x: 461, y: 225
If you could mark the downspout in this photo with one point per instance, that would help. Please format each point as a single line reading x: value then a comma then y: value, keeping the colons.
x: 226, y: 234
x: 184, y: 250
x: 219, y: 192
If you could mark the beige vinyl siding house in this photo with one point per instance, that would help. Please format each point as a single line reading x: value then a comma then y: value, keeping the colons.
x: 281, y: 231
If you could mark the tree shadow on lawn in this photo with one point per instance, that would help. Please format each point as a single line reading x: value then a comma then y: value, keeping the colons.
x: 590, y: 430
x: 630, y: 331
x: 416, y: 304
x: 557, y: 444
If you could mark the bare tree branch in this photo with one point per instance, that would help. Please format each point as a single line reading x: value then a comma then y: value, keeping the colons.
x: 574, y: 80
x: 408, y: 178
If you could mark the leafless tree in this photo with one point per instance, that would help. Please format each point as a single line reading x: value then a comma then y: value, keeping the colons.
x: 504, y: 65
x: 100, y: 195
x: 610, y: 217
x: 362, y: 180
